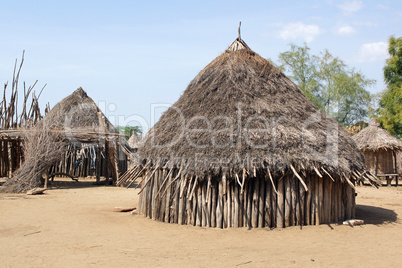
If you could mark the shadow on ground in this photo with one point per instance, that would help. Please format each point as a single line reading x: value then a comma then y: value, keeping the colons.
x: 375, y: 215
x: 66, y: 183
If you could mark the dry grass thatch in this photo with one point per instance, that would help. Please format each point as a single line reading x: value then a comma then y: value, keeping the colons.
x: 374, y: 138
x: 134, y: 141
x: 74, y: 120
x: 79, y: 112
x: 42, y: 148
x: 242, y: 113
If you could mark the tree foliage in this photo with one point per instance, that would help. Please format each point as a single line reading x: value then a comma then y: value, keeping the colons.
x: 129, y: 130
x: 329, y: 83
x: 390, y: 111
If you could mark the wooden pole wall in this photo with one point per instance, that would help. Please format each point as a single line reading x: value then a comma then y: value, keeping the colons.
x: 223, y: 203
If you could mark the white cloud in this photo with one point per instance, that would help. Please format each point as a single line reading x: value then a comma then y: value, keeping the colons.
x: 349, y: 7
x: 381, y: 6
x: 345, y: 30
x: 299, y: 30
x: 373, y: 52
x: 366, y: 24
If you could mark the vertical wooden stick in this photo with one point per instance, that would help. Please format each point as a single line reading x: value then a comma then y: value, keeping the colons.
x: 261, y: 203
x: 219, y: 207
x: 268, y: 205
x: 229, y: 204
x: 280, y: 220
x: 254, y: 215
x: 236, y: 205
x: 288, y: 200
x: 293, y: 209
x: 167, y: 197
x: 214, y: 203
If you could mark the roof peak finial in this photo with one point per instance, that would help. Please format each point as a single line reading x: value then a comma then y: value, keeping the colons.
x: 239, y: 30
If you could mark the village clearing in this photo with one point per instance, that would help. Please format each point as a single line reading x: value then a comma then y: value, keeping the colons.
x: 74, y: 225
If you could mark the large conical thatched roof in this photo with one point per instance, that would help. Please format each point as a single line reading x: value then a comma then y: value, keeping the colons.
x: 79, y: 112
x: 374, y: 137
x: 240, y: 113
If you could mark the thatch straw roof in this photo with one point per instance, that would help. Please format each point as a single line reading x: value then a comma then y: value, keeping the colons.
x: 374, y: 137
x: 79, y: 112
x: 241, y: 112
x: 134, y: 141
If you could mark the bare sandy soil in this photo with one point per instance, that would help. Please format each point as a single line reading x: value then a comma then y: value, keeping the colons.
x: 74, y: 225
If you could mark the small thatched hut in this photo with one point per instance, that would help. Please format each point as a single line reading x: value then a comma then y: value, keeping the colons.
x: 95, y: 145
x: 379, y: 148
x: 134, y: 141
x: 243, y: 147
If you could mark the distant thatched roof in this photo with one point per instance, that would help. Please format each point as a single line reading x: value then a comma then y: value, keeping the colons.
x: 241, y: 112
x: 133, y: 141
x: 374, y: 137
x: 80, y: 113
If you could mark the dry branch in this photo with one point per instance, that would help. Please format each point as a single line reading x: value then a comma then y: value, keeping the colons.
x: 42, y: 149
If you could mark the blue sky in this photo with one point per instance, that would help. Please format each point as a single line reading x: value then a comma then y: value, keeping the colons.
x: 136, y: 57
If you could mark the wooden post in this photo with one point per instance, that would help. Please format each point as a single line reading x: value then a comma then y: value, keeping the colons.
x: 97, y: 167
x: 224, y: 202
x: 288, y: 200
x: 12, y: 157
x: 208, y: 202
x: 353, y: 196
x: 249, y: 202
x: 219, y: 206
x: 199, y: 204
x: 274, y: 198
x: 241, y: 206
x: 162, y: 200
x: 395, y: 167
x: 213, y: 203
x: 293, y: 210
x: 167, y: 197
x: 316, y: 201
x: 46, y: 177
x: 245, y: 202
x: 203, y: 205
x: 261, y: 203
x: 348, y: 207
x: 268, y: 204
x: 194, y: 209
x: 2, y: 164
x: 181, y: 201
x: 106, y: 164
x: 229, y: 204
x: 236, y: 205
x: 339, y: 203
x: 333, y: 202
x: 280, y: 205
x: 116, y: 161
x: 320, y: 200
x: 6, y: 160
x: 301, y: 205
x: 154, y: 190
x: 254, y: 215
x: 307, y: 211
x: 326, y: 202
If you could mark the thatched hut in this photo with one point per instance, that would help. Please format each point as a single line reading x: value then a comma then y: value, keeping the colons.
x: 243, y: 147
x: 380, y: 149
x: 95, y: 145
x: 134, y: 141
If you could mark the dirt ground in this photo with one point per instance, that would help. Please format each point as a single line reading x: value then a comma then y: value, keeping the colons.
x: 73, y: 225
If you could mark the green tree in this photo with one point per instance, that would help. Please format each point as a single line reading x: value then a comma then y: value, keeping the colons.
x: 129, y: 130
x: 390, y: 111
x: 329, y: 83
x: 301, y: 67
